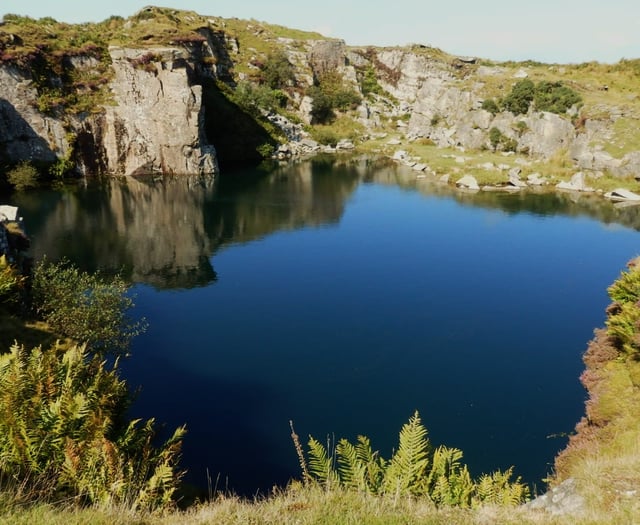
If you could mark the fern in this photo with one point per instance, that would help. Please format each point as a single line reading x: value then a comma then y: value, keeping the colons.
x: 321, y: 465
x: 375, y: 466
x: 58, y: 437
x: 406, y: 470
x: 498, y: 489
x: 623, y: 327
x: 626, y: 289
x: 351, y: 469
x: 449, y: 482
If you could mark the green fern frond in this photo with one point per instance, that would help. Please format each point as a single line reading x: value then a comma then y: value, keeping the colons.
x: 351, y: 469
x: 406, y: 471
x: 375, y: 465
x: 498, y: 489
x: 320, y: 464
x: 626, y: 289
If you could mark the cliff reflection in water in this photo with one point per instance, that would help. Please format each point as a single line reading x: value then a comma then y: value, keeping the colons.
x: 164, y: 232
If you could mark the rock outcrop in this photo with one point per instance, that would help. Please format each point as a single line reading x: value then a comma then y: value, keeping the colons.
x: 25, y: 132
x: 157, y: 124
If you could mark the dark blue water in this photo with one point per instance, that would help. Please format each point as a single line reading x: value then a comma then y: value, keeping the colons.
x: 344, y: 297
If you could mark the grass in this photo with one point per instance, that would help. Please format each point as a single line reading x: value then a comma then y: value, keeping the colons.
x: 625, y: 138
x: 311, y: 505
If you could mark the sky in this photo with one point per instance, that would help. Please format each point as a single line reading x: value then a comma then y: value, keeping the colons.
x: 553, y: 31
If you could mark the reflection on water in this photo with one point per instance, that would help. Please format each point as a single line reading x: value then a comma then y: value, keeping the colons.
x: 163, y: 232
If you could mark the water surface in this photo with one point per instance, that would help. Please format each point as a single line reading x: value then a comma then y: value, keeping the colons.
x: 345, y: 295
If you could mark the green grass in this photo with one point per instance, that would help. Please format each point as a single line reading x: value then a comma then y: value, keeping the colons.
x: 625, y: 137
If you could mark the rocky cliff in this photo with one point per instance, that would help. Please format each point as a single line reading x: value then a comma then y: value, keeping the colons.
x: 163, y: 73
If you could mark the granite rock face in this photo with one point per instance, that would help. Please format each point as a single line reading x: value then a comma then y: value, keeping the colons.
x: 157, y: 124
x: 26, y: 133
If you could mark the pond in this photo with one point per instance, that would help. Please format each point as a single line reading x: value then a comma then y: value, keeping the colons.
x: 343, y: 294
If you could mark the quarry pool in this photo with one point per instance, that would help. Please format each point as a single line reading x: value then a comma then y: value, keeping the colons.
x: 343, y: 295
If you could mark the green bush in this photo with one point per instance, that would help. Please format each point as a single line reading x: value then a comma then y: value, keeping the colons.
x: 325, y: 135
x: 555, y: 97
x: 520, y: 98
x: 277, y: 71
x: 23, y: 176
x: 11, y: 283
x: 545, y: 96
x: 322, y: 109
x: 253, y: 98
x: 500, y: 141
x: 369, y: 82
x: 266, y: 150
x: 331, y: 94
x: 495, y: 137
x: 491, y: 106
x: 63, y: 435
x: 89, y: 309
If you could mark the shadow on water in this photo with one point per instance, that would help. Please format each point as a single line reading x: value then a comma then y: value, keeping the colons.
x: 224, y: 448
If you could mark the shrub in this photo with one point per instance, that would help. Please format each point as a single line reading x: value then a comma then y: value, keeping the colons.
x: 24, y: 176
x: 491, y: 106
x: 495, y: 137
x: 521, y: 127
x: 331, y: 94
x: 11, y: 282
x: 369, y: 82
x: 89, y: 309
x: 277, y: 71
x: 499, y: 141
x: 63, y: 434
x: 265, y: 150
x: 555, y: 97
x: 325, y: 135
x: 253, y: 99
x: 520, y: 98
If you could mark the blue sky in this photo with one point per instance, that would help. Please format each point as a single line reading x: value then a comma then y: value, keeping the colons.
x: 563, y: 31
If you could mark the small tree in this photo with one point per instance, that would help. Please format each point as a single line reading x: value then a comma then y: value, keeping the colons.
x: 495, y: 137
x: 90, y: 309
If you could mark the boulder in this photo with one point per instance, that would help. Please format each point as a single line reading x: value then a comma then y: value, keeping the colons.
x: 622, y: 194
x: 8, y: 213
x: 534, y: 179
x: 138, y: 138
x: 468, y: 182
x: 400, y: 155
x: 561, y: 500
x: 345, y: 144
x: 577, y: 183
x: 514, y: 179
